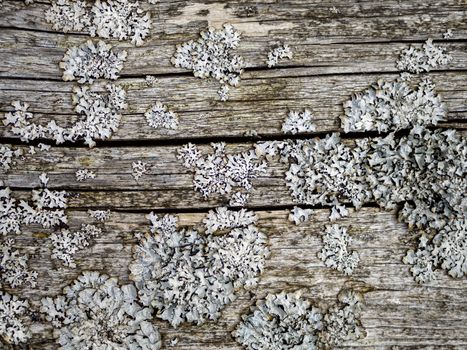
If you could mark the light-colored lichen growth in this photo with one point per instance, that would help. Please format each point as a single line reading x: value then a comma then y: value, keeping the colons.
x: 84, y: 174
x: 159, y: 116
x: 278, y: 53
x: 219, y: 172
x: 95, y: 312
x: 100, y: 215
x: 336, y: 253
x: 139, y: 168
x: 190, y: 276
x: 14, y: 269
x: 425, y: 58
x: 67, y: 244
x: 387, y: 106
x: 299, y: 216
x: 91, y: 61
x: 281, y: 321
x: 212, y: 55
x: 299, y: 122
x: 290, y: 321
x: 110, y: 19
x: 99, y: 116
x: 14, y: 319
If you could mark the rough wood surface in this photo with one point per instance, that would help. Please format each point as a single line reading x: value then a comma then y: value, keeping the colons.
x: 340, y: 47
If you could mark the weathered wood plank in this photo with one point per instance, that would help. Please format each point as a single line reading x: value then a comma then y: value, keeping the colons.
x: 311, y: 21
x: 37, y: 54
x: 260, y: 103
x: 166, y: 185
x: 340, y: 47
x: 397, y: 310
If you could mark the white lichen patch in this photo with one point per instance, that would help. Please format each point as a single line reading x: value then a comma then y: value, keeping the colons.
x: 68, y: 15
x: 280, y: 321
x: 299, y: 122
x: 91, y: 61
x: 212, y: 55
x: 66, y: 244
x: 341, y: 322
x: 417, y: 60
x: 387, y: 106
x: 299, y: 216
x: 336, y: 253
x: 11, y: 215
x: 100, y: 215
x: 14, y: 269
x: 95, y: 312
x: 151, y: 80
x: 189, y: 154
x: 448, y: 34
x: 278, y: 53
x: 47, y: 210
x: 222, y: 218
x: 100, y: 114
x: 338, y: 211
x: 14, y: 319
x: 218, y: 172
x: 223, y: 93
x: 9, y: 156
x: 424, y: 171
x: 120, y: 19
x: 110, y: 19
x: 159, y: 116
x: 290, y: 321
x: 138, y: 169
x: 190, y: 276
x: 84, y: 174
x: 239, y: 199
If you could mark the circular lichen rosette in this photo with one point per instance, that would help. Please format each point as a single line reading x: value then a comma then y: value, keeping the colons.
x: 96, y: 313
x: 190, y: 276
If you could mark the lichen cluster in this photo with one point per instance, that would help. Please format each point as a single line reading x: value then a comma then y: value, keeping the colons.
x: 66, y: 243
x: 47, y: 210
x: 14, y: 269
x: 84, y: 174
x: 14, y: 317
x: 290, y: 321
x: 278, y: 53
x: 299, y: 122
x: 219, y: 172
x: 190, y: 276
x: 422, y: 59
x: 335, y: 252
x: 99, y: 116
x: 91, y: 61
x: 212, y: 56
x: 387, y: 106
x: 159, y: 116
x: 110, y: 19
x: 95, y: 312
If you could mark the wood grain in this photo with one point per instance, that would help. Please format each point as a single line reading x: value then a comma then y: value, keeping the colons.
x: 340, y: 47
x: 397, y: 310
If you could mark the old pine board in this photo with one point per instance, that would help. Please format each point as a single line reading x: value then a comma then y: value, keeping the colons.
x: 340, y: 47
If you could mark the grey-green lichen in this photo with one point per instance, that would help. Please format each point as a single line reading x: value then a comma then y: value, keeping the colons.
x: 111, y: 19
x: 14, y: 319
x: 335, y: 252
x: 424, y: 171
x: 190, y: 276
x: 95, y: 312
x: 290, y: 321
x: 212, y: 55
x: 220, y: 172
